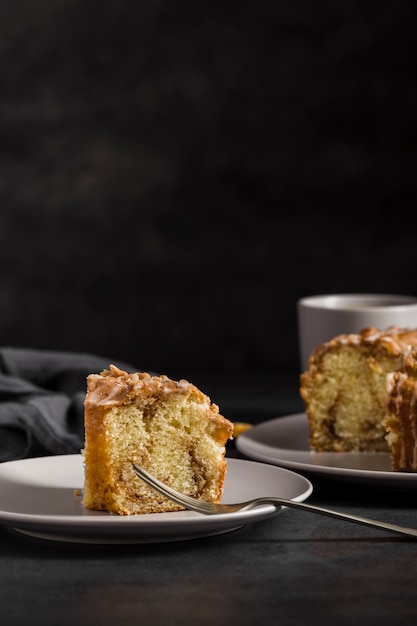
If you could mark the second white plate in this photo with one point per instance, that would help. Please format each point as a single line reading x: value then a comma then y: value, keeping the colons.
x: 284, y: 441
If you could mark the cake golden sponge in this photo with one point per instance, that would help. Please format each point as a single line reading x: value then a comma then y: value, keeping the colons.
x: 170, y: 428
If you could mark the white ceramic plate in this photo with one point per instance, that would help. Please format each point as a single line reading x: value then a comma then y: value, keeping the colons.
x: 38, y: 496
x: 284, y: 441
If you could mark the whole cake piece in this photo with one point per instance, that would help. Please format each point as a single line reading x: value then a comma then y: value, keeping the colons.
x: 344, y: 388
x: 169, y: 428
x: 401, y: 418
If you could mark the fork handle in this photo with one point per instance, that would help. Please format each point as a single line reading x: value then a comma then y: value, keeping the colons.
x: 350, y: 517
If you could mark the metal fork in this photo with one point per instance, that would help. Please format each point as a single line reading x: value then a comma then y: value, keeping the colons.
x: 209, y: 508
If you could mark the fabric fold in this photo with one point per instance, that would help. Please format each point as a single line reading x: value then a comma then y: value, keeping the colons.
x: 42, y: 400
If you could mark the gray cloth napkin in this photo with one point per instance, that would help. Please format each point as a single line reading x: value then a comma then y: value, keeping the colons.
x: 42, y: 400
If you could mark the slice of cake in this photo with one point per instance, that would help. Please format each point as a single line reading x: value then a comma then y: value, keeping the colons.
x: 401, y: 418
x: 344, y: 388
x: 169, y: 428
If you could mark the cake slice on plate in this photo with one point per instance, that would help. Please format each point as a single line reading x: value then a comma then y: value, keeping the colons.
x: 170, y: 428
x: 344, y: 388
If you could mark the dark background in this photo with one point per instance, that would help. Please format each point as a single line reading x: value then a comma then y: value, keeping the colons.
x: 175, y: 175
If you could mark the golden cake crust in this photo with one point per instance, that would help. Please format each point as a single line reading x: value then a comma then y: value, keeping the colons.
x: 344, y: 388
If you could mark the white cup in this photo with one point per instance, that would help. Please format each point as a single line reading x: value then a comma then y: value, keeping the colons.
x: 322, y: 317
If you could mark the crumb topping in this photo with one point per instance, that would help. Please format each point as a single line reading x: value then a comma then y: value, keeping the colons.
x: 392, y: 340
x: 114, y: 386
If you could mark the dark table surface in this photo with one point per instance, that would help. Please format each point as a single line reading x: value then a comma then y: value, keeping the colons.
x: 294, y: 568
